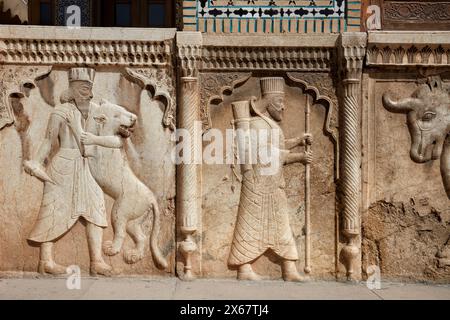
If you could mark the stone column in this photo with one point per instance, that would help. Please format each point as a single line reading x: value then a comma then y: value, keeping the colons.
x: 189, y: 46
x: 352, y: 52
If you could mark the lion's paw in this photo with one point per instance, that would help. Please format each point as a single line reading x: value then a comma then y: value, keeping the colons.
x: 109, y: 249
x: 133, y: 256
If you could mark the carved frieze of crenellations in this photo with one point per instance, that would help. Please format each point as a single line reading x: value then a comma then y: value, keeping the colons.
x: 62, y: 46
x: 251, y: 53
x: 396, y: 49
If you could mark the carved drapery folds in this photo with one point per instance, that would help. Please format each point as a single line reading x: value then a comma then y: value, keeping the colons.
x: 352, y: 52
x: 188, y: 174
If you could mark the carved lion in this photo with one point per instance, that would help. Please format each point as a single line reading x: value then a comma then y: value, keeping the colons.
x: 134, y: 201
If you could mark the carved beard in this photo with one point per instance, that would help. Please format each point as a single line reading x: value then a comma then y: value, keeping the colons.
x: 275, y: 111
x: 83, y: 103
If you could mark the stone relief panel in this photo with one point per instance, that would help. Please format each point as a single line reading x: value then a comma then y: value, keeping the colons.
x: 98, y: 178
x: 236, y: 238
x: 406, y: 213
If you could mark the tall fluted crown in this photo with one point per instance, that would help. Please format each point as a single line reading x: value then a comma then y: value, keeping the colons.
x: 272, y: 85
x: 82, y: 74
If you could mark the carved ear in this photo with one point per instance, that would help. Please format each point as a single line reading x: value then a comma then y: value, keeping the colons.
x: 100, y: 119
x: 103, y: 101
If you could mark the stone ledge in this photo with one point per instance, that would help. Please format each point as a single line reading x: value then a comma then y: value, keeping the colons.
x: 86, y: 33
x: 286, y: 40
x: 409, y: 37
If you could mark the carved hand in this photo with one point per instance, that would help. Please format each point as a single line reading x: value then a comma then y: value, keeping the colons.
x: 88, y: 138
x: 70, y: 118
x: 73, y: 122
x: 308, y: 157
x: 307, y: 139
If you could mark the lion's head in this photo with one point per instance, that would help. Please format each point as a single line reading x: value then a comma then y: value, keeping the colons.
x: 114, y: 119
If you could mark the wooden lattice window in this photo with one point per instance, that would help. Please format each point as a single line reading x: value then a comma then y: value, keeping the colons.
x: 107, y: 13
x: 42, y: 12
x: 136, y: 13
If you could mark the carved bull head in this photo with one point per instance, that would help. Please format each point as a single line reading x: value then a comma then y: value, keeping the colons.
x: 428, y: 112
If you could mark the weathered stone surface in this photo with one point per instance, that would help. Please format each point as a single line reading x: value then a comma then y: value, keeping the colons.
x: 405, y: 239
x: 406, y: 225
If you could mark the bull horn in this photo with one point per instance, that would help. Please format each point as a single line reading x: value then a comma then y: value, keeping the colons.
x: 402, y: 106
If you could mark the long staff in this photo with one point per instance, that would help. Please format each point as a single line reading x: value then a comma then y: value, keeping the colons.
x: 307, y: 192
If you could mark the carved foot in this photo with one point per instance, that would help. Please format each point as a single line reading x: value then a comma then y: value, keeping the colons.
x: 293, y: 277
x: 50, y: 267
x: 290, y: 272
x: 248, y: 276
x: 109, y: 249
x: 101, y: 268
x: 132, y: 256
x: 246, y: 273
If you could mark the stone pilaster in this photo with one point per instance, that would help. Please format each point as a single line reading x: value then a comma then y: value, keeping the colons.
x: 189, y: 46
x: 352, y: 51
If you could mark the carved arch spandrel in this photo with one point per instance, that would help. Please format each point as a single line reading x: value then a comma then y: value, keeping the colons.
x: 213, y: 87
x: 160, y: 85
x: 16, y: 82
x: 321, y: 88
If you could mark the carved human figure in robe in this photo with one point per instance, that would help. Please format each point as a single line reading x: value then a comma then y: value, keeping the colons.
x: 263, y: 221
x: 70, y: 191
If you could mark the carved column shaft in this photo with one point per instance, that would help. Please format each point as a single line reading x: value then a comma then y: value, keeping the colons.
x: 188, y: 115
x: 352, y: 56
x: 351, y: 157
x: 188, y: 174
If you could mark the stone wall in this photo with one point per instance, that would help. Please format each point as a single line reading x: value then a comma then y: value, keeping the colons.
x: 361, y: 185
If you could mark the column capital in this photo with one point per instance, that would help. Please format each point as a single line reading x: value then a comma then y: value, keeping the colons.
x: 189, y: 53
x: 352, y: 51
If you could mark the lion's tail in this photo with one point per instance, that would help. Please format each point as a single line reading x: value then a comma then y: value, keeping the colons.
x: 157, y: 254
